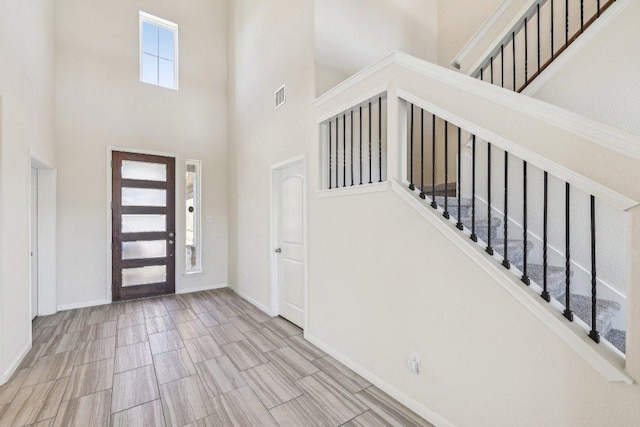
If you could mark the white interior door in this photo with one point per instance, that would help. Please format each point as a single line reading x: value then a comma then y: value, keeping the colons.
x: 34, y: 242
x: 290, y: 211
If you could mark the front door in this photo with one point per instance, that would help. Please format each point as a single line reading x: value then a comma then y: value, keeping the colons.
x: 290, y: 211
x: 143, y: 218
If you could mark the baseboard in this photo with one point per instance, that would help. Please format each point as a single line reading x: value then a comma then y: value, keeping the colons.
x: 201, y: 288
x: 407, y: 401
x: 65, y: 307
x: 6, y: 375
x: 259, y: 305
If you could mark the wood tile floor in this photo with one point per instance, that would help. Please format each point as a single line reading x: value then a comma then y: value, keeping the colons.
x: 202, y: 359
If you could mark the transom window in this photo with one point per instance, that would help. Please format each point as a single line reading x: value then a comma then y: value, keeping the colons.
x: 158, y: 51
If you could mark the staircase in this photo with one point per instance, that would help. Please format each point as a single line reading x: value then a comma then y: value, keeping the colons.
x: 556, y: 276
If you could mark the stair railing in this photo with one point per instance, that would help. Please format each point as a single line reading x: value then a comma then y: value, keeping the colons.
x: 355, y: 153
x: 429, y: 142
x: 546, y: 30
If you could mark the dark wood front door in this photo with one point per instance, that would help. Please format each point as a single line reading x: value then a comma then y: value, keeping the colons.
x: 143, y: 233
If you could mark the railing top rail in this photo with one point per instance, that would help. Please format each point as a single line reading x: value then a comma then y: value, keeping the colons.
x: 435, y: 85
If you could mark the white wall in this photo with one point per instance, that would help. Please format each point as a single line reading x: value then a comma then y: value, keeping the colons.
x: 602, y: 80
x: 485, y: 360
x: 262, y: 57
x: 458, y: 21
x: 349, y: 35
x: 26, y: 123
x: 100, y: 102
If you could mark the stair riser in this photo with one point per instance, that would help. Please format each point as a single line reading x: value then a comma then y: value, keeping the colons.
x: 515, y: 253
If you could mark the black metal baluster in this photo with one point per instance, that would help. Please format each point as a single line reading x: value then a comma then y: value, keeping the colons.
x: 337, y: 151
x: 491, y: 64
x: 473, y: 236
x: 598, y: 7
x: 411, y: 186
x: 482, y: 74
x: 434, y: 205
x: 505, y: 262
x: 422, y: 195
x: 581, y: 15
x: 489, y: 249
x: 525, y: 278
x: 351, y: 146
x: 594, y: 328
x: 538, y: 33
x: 567, y: 296
x: 502, y: 65
x: 370, y: 181
x: 380, y: 139
x: 566, y: 17
x: 513, y: 47
x: 552, y: 18
x: 360, y: 124
x: 545, y: 228
x: 446, y: 170
x: 330, y: 159
x: 344, y: 150
x: 526, y: 53
x: 459, y: 185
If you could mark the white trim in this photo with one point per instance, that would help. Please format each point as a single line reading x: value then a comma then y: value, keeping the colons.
x: 396, y: 394
x: 621, y: 141
x: 254, y: 302
x: 613, y: 198
x: 198, y: 219
x: 83, y: 304
x: 574, y: 48
x: 189, y: 290
x: 352, y: 104
x: 273, y: 221
x: 6, y: 375
x: 168, y: 25
x: 609, y: 364
x: 356, y: 189
x: 480, y: 34
x: 178, y: 216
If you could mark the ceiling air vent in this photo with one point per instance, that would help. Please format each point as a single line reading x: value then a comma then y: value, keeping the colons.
x: 280, y: 98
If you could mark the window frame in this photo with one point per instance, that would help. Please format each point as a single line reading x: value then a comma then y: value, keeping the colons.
x: 198, y: 216
x: 167, y: 25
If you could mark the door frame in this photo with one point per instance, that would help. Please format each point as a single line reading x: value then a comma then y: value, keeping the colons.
x: 47, y: 286
x: 274, y: 192
x: 179, y: 194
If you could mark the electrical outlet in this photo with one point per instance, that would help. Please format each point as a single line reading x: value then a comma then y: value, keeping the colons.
x: 414, y: 362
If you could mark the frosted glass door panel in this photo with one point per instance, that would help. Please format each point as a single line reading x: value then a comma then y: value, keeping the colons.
x: 144, y: 249
x: 143, y: 197
x: 143, y: 170
x: 143, y: 223
x: 144, y: 275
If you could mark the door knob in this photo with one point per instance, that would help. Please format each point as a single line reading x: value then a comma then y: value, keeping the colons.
x: 171, y: 242
x: 278, y: 250
x: 170, y: 234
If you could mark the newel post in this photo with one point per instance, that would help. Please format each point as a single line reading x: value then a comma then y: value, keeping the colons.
x: 396, y: 136
x: 633, y: 297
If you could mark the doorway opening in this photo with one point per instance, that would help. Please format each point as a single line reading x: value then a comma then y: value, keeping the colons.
x: 42, y: 238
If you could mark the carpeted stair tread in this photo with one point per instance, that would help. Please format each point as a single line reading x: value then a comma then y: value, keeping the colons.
x: 482, y: 227
x: 606, y: 310
x: 618, y: 338
x: 441, y: 189
x: 556, y: 278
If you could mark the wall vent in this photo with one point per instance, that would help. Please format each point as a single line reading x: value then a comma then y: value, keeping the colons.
x: 280, y: 97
